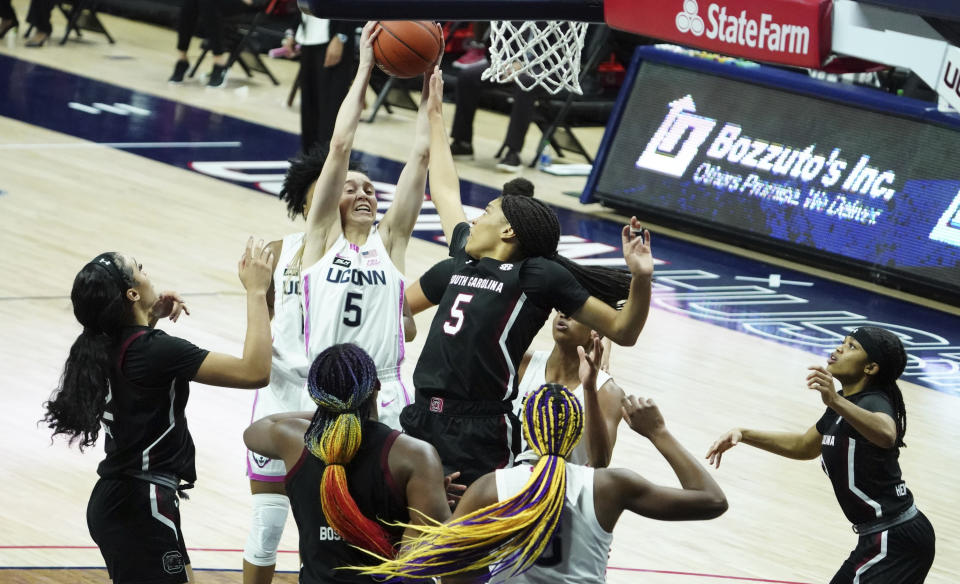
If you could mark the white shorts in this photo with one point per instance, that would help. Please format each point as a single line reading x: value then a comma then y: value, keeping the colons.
x: 276, y: 398
x: 391, y: 401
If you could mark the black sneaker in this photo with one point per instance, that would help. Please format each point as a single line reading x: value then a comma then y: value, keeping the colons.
x: 461, y: 150
x: 218, y: 77
x: 179, y: 70
x: 510, y: 162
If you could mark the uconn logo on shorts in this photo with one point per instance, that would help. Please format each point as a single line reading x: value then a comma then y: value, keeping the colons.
x: 329, y: 534
x: 172, y: 562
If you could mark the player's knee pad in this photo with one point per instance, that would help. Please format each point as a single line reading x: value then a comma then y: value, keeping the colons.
x: 269, y: 517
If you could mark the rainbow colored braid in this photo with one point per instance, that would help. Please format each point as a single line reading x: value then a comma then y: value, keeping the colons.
x: 510, y: 535
x: 341, y: 381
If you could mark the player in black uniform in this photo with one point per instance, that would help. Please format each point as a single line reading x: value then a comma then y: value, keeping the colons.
x: 503, y: 282
x: 134, y: 380
x: 858, y: 439
x: 350, y: 476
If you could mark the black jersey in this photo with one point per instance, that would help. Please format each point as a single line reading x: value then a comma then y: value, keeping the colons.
x: 144, y: 424
x: 866, y: 478
x: 489, y: 311
x: 371, y: 485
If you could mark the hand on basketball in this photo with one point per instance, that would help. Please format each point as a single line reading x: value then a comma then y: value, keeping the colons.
x: 636, y: 249
x: 435, y: 98
x: 454, y: 490
x: 821, y: 380
x: 723, y: 444
x: 168, y: 305
x: 590, y: 362
x: 370, y: 32
x: 643, y: 416
x: 256, y: 267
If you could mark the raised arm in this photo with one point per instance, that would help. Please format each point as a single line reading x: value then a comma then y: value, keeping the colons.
x: 279, y: 436
x: 601, y: 408
x: 397, y: 225
x: 444, y: 182
x: 324, y: 212
x: 796, y: 445
x: 877, y: 427
x: 252, y: 370
x: 699, y: 497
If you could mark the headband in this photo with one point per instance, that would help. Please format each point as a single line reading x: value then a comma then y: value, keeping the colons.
x: 106, y: 262
x: 869, y: 343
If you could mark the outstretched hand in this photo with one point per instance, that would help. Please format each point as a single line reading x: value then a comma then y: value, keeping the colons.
x: 435, y: 90
x: 370, y: 32
x: 256, y: 266
x: 642, y: 415
x: 169, y: 305
x: 454, y: 490
x: 590, y: 362
x: 822, y: 381
x: 723, y: 444
x: 636, y: 249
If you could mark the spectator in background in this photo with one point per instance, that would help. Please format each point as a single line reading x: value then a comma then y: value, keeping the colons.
x: 328, y: 63
x: 38, y: 16
x: 210, y: 13
x: 8, y: 18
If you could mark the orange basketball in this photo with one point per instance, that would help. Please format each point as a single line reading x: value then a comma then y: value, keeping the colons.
x: 407, y: 48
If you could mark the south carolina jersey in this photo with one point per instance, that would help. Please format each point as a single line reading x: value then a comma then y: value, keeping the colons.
x: 866, y: 478
x: 354, y: 294
x: 535, y: 376
x: 289, y: 364
x: 578, y: 552
x: 488, y: 313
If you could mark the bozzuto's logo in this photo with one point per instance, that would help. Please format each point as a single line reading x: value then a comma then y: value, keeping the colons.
x: 668, y: 152
x: 947, y: 229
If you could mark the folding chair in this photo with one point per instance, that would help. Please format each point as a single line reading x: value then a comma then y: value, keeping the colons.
x: 80, y: 15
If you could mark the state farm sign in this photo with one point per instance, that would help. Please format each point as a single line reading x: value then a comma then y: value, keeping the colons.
x: 788, y: 32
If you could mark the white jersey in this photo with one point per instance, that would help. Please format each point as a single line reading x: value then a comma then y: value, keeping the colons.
x: 535, y: 376
x: 579, y: 550
x: 354, y: 294
x: 289, y: 364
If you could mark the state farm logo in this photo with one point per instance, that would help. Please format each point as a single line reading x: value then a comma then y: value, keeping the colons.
x: 744, y: 30
x: 689, y: 20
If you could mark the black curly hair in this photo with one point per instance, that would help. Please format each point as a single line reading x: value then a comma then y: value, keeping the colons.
x: 304, y: 170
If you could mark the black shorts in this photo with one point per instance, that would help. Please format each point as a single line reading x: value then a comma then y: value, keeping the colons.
x: 473, y: 438
x: 136, y: 525
x: 900, y: 555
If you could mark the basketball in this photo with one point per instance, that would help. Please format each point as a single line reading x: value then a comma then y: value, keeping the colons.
x: 407, y: 48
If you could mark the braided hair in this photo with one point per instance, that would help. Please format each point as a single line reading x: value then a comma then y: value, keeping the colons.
x: 509, y: 535
x: 304, y: 170
x: 342, y: 381
x: 538, y: 233
x: 100, y: 304
x: 886, y: 350
x: 519, y: 186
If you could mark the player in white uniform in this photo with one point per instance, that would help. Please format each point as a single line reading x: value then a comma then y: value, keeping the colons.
x: 506, y: 525
x: 340, y: 207
x: 601, y: 405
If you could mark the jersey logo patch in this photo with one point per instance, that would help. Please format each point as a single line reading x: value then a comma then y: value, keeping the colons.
x: 342, y: 262
x: 260, y: 460
x: 506, y: 267
x: 172, y: 562
x: 436, y: 405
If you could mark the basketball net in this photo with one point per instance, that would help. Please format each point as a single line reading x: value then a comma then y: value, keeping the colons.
x: 533, y: 53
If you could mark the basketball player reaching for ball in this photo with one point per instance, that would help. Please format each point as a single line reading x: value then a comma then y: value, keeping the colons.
x: 553, y: 521
x: 340, y: 281
x: 494, y: 296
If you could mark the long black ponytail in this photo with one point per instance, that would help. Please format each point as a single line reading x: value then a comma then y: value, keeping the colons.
x: 538, y: 232
x: 101, y: 306
x: 886, y: 350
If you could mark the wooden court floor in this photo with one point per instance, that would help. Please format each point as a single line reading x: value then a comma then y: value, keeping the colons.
x: 63, y: 206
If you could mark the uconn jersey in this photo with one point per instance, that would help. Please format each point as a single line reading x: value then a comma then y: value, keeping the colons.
x: 354, y: 294
x: 578, y: 552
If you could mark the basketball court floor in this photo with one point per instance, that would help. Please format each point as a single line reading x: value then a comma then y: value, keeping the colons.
x: 98, y: 153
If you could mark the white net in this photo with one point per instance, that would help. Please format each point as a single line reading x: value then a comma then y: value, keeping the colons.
x: 533, y: 53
